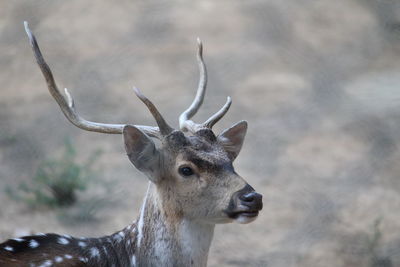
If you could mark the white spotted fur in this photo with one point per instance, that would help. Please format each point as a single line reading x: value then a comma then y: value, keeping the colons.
x: 62, y: 241
x: 94, y: 252
x: 8, y: 248
x: 33, y: 243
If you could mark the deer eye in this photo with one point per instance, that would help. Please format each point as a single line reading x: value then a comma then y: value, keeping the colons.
x: 186, y: 171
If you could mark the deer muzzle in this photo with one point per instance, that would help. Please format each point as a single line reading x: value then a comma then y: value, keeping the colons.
x: 245, y: 205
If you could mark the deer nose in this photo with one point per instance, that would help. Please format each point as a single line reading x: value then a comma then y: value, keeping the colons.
x: 252, y: 200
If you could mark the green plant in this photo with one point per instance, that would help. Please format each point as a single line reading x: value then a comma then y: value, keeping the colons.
x: 85, y: 212
x: 57, y: 181
x: 376, y: 259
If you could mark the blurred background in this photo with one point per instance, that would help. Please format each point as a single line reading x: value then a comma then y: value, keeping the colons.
x: 318, y: 82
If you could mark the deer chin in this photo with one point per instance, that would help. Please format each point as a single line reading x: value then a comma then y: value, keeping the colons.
x: 246, y: 217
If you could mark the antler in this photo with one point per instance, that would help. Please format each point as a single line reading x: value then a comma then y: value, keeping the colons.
x: 68, y: 107
x: 185, y: 123
x: 165, y: 129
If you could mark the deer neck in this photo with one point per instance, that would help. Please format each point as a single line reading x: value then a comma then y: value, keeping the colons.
x: 166, y: 239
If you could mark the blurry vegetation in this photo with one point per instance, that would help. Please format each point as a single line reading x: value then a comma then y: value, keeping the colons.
x: 6, y: 138
x: 86, y: 211
x: 57, y: 181
x: 376, y: 259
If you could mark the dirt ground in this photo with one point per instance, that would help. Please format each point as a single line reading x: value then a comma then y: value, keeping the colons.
x: 317, y: 81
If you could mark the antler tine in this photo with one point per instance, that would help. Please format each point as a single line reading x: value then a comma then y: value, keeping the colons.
x: 217, y: 116
x: 184, y: 119
x: 165, y: 129
x: 68, y: 108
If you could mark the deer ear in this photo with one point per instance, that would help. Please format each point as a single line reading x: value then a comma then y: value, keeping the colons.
x: 142, y: 152
x: 232, y: 138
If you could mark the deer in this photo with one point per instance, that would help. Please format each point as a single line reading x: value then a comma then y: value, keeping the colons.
x: 192, y: 187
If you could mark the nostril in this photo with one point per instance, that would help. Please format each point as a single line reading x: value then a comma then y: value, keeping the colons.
x: 249, y: 197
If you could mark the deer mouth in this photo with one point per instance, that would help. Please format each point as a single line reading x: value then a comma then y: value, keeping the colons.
x: 247, y: 213
x: 243, y: 217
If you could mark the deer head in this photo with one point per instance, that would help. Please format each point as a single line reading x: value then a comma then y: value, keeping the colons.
x: 192, y: 169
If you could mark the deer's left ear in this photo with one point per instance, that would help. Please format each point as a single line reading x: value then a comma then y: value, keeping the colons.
x: 142, y: 152
x: 232, y: 138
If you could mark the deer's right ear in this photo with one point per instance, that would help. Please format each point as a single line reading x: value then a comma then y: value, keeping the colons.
x: 142, y: 152
x: 232, y: 139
